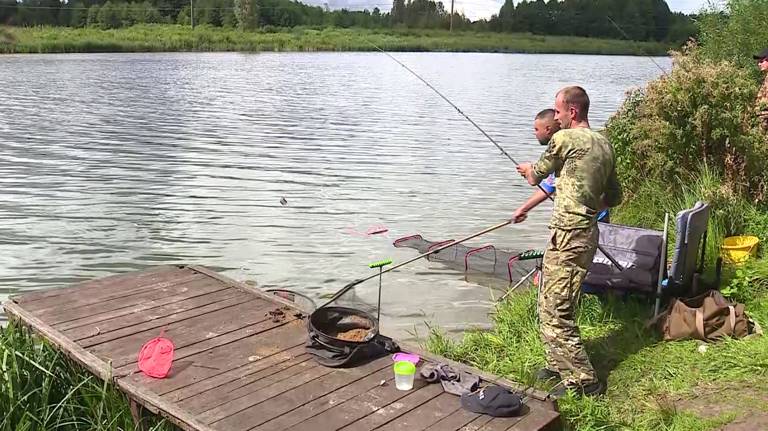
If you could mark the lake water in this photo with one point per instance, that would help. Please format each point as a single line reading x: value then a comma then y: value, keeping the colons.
x: 117, y: 162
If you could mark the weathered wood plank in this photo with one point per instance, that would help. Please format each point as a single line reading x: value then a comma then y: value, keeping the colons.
x: 127, y: 324
x: 70, y: 348
x: 217, y: 341
x: 297, y: 397
x: 213, y: 340
x: 234, y: 389
x: 110, y: 291
x: 233, y: 361
x: 476, y: 424
x: 94, y: 287
x: 381, y: 416
x: 328, y: 401
x: 352, y: 410
x: 157, y: 404
x: 272, y: 364
x: 165, y: 294
x: 426, y: 414
x: 247, y: 396
x: 255, y: 290
x: 122, y: 351
x: 537, y: 420
x: 502, y: 424
x: 455, y: 421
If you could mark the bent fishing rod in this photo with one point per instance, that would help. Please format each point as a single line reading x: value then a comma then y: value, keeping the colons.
x: 503, y: 151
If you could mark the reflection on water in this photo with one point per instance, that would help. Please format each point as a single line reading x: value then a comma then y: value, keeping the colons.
x: 262, y: 165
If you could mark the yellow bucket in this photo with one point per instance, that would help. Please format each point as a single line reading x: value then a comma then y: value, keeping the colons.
x: 737, y: 249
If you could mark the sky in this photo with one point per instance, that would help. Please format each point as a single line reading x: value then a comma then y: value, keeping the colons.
x: 476, y: 9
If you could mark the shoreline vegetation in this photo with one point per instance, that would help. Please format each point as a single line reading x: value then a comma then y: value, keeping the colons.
x: 178, y: 38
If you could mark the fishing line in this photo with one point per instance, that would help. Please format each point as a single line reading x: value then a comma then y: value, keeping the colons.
x: 503, y: 151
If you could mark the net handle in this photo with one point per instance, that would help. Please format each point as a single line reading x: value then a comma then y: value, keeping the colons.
x: 349, y: 286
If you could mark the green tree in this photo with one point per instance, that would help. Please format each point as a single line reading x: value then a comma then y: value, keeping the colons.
x: 92, y: 19
x: 8, y: 11
x: 398, y: 12
x: 109, y: 16
x: 247, y: 14
x: 78, y: 14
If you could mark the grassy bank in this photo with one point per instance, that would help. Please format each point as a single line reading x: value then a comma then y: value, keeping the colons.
x: 652, y: 385
x: 40, y: 389
x: 163, y: 38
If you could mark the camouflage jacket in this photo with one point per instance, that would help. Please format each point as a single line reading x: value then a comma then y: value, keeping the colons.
x: 584, y: 164
x: 762, y: 103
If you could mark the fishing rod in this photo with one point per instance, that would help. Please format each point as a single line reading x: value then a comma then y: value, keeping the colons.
x: 503, y: 151
x: 626, y: 36
x: 349, y: 286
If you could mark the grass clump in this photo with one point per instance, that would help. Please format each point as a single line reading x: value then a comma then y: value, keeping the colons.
x: 40, y: 389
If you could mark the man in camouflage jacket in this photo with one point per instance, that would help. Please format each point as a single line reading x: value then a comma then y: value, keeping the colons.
x: 584, y: 164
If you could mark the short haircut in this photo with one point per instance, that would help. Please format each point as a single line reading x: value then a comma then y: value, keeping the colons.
x: 547, y: 114
x: 577, y: 97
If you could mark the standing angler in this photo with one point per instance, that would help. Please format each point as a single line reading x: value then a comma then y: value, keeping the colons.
x: 762, y: 95
x: 584, y: 164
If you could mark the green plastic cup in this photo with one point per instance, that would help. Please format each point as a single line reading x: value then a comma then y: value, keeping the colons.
x: 404, y: 374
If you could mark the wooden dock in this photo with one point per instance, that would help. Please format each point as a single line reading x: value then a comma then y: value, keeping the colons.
x: 240, y: 362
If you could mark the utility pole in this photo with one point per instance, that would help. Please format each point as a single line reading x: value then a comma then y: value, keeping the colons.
x: 451, y: 25
x: 192, y: 13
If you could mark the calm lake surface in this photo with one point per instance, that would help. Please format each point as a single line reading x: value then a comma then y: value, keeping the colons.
x: 117, y: 162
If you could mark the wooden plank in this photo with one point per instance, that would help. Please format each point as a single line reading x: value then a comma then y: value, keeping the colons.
x: 379, y: 417
x: 236, y: 389
x: 126, y: 324
x: 503, y: 424
x: 93, y: 286
x: 210, y: 344
x: 157, y: 404
x: 234, y: 361
x: 361, y: 406
x: 170, y: 292
x: 250, y: 395
x: 538, y: 420
x: 328, y: 401
x: 455, y: 421
x: 67, y: 346
x: 426, y: 414
x: 476, y: 424
x: 191, y: 395
x: 372, y: 372
x: 101, y: 292
x: 247, y: 288
x: 120, y: 351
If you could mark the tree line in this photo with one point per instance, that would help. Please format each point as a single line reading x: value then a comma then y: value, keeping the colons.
x: 619, y: 19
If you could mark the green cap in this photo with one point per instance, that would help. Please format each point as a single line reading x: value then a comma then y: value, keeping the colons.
x: 405, y: 368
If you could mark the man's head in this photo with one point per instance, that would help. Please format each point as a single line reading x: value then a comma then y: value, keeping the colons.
x: 544, y: 126
x: 571, y: 105
x: 762, y: 60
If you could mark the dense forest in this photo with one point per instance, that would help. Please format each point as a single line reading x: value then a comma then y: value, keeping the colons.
x: 619, y: 19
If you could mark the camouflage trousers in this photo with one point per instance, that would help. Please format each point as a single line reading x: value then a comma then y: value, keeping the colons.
x: 566, y: 261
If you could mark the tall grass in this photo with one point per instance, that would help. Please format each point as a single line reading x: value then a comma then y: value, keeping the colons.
x: 40, y: 389
x: 158, y: 37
